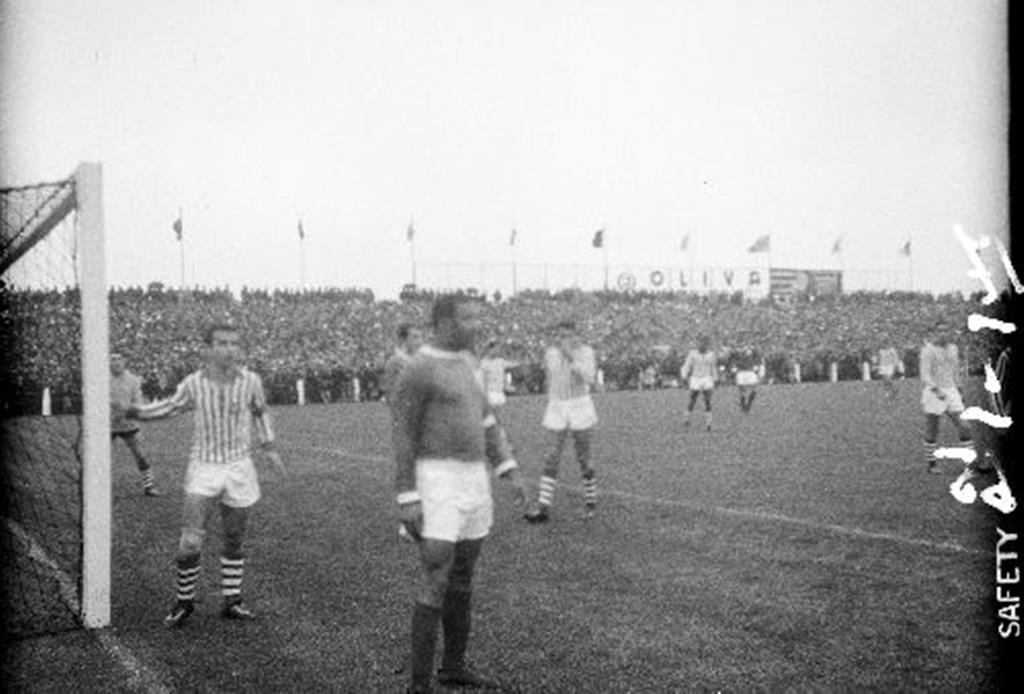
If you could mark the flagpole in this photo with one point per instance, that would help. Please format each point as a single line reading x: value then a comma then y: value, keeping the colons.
x: 515, y: 283
x: 302, y: 255
x: 910, y: 259
x: 412, y: 251
x: 604, y: 247
x: 181, y: 250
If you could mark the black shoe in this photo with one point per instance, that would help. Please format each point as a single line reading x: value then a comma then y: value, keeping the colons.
x: 590, y: 510
x: 539, y: 515
x: 465, y: 679
x: 152, y: 491
x: 178, y: 614
x: 236, y: 610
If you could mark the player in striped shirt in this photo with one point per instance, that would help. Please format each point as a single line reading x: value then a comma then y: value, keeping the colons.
x: 444, y: 436
x: 570, y: 370
x: 125, y: 392
x: 229, y: 409
x: 699, y: 371
x: 747, y: 366
x: 889, y: 364
x: 940, y: 377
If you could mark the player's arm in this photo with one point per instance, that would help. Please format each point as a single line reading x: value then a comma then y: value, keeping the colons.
x: 180, y: 402
x: 927, y: 377
x: 408, y: 407
x: 584, y: 365
x: 499, y: 453
x: 687, y: 367
x: 264, y: 426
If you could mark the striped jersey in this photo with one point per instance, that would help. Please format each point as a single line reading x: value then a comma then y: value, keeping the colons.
x: 888, y: 358
x: 125, y: 391
x: 392, y: 368
x: 569, y: 376
x: 225, y: 412
x: 939, y: 366
x: 493, y: 369
x: 700, y: 365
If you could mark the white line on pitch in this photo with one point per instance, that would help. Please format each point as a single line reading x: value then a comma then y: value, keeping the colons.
x: 740, y: 513
x: 140, y: 677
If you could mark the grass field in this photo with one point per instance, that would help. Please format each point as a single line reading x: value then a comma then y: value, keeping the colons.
x: 801, y: 547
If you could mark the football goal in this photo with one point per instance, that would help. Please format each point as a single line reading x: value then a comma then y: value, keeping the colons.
x: 54, y: 407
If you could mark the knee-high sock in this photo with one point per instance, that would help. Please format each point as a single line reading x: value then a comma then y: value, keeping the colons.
x: 547, y: 490
x: 590, y: 489
x: 456, y: 617
x: 231, y: 578
x: 424, y: 640
x: 187, y: 577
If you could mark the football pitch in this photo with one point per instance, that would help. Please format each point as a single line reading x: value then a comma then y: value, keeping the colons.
x: 800, y: 547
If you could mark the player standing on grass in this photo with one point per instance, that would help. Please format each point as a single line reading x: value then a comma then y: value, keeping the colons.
x: 746, y: 377
x: 940, y: 366
x: 126, y: 392
x: 570, y: 368
x: 444, y: 434
x: 889, y: 364
x: 228, y: 401
x: 698, y: 372
x: 410, y: 339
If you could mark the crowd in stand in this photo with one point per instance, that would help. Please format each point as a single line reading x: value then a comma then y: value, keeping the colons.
x: 337, y: 340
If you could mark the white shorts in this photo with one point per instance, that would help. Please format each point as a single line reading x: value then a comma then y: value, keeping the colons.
x: 575, y: 414
x: 495, y: 398
x: 746, y: 378
x: 702, y: 383
x: 887, y: 371
x: 235, y: 483
x: 950, y: 402
x: 456, y: 497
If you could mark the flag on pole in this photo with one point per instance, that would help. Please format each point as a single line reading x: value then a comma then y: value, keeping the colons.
x: 598, y: 241
x: 178, y: 227
x: 761, y: 245
x: 905, y: 248
x: 302, y: 232
x: 410, y: 233
x: 685, y: 243
x: 837, y: 247
x: 512, y: 238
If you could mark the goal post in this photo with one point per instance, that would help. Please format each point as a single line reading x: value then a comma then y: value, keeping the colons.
x: 55, y: 482
x: 96, y: 482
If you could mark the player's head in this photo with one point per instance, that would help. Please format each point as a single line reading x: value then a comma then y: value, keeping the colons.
x: 491, y: 347
x: 410, y: 337
x: 567, y: 333
x: 456, y: 322
x: 222, y: 342
x: 703, y: 343
x: 117, y: 363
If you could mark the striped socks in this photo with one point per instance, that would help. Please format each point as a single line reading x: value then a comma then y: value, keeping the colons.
x: 147, y: 479
x: 231, y: 579
x: 547, y: 490
x: 590, y: 491
x: 929, y: 454
x: 188, y: 576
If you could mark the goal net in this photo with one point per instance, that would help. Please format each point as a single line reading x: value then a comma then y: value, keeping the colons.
x: 54, y: 411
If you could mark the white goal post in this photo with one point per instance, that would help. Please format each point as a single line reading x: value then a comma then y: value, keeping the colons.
x: 96, y: 480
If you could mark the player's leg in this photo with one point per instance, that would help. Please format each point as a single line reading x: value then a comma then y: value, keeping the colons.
x: 689, y: 408
x: 232, y: 561
x: 743, y: 398
x: 751, y: 394
x: 193, y: 530
x: 963, y: 430
x: 549, y: 475
x: 930, y: 441
x: 148, y: 485
x: 707, y: 408
x: 456, y: 618
x: 436, y: 559
x: 581, y: 442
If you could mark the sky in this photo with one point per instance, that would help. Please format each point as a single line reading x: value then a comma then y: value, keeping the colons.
x: 876, y: 122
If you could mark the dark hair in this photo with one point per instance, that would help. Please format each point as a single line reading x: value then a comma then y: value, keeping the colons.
x: 446, y: 307
x: 567, y: 324
x: 403, y: 330
x: 217, y: 328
